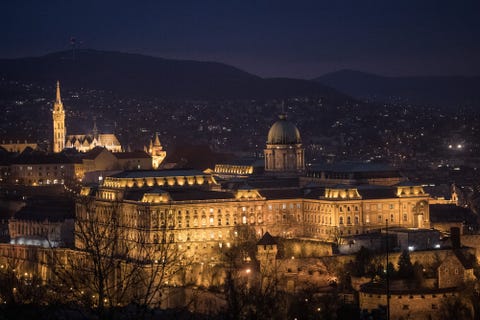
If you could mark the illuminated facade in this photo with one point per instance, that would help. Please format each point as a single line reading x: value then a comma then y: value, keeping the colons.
x: 155, y: 150
x: 59, y: 129
x: 80, y: 142
x: 86, y: 142
x: 202, y: 220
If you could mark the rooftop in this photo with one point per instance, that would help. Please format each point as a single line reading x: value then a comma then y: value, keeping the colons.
x: 157, y: 173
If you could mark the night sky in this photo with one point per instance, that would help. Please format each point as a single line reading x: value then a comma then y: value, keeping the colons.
x: 301, y: 39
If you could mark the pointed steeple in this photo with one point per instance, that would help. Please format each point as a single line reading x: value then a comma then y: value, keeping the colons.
x: 95, y: 129
x: 58, y: 98
x: 58, y: 105
x: 157, y: 141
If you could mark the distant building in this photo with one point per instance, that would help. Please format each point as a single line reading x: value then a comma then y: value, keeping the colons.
x: 37, y: 168
x: 284, y: 152
x: 421, y: 301
x: 46, y: 222
x: 18, y: 146
x: 239, y: 168
x: 155, y: 150
x: 445, y: 216
x: 80, y: 142
x: 135, y: 160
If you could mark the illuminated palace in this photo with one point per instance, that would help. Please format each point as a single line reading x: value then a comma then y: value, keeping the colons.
x: 202, y: 211
x: 81, y: 142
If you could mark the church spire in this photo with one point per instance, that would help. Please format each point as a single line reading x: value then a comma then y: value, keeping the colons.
x: 157, y: 143
x: 58, y: 105
x: 59, y: 130
x: 58, y: 98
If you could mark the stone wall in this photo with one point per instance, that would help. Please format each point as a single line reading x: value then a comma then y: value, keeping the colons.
x: 407, y: 306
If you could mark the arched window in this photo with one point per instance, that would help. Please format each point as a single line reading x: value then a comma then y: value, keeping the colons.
x: 340, y: 221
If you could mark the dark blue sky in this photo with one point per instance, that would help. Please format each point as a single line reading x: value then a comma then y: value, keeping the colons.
x: 269, y: 38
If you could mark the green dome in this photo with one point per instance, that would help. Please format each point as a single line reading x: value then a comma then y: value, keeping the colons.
x: 283, y: 132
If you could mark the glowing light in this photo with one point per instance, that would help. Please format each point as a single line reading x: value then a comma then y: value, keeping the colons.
x: 411, y: 248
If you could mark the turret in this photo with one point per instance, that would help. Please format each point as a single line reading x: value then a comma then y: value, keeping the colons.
x: 155, y: 149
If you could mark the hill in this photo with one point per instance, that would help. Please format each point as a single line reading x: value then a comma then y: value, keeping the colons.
x: 443, y: 91
x: 135, y: 74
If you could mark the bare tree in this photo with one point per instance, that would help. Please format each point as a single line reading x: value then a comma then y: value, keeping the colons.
x: 118, y: 261
x: 251, y: 288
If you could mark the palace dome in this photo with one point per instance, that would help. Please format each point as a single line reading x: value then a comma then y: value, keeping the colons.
x: 283, y: 132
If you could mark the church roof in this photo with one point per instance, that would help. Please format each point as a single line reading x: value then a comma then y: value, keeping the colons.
x: 103, y: 139
x: 283, y: 132
x: 108, y: 139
